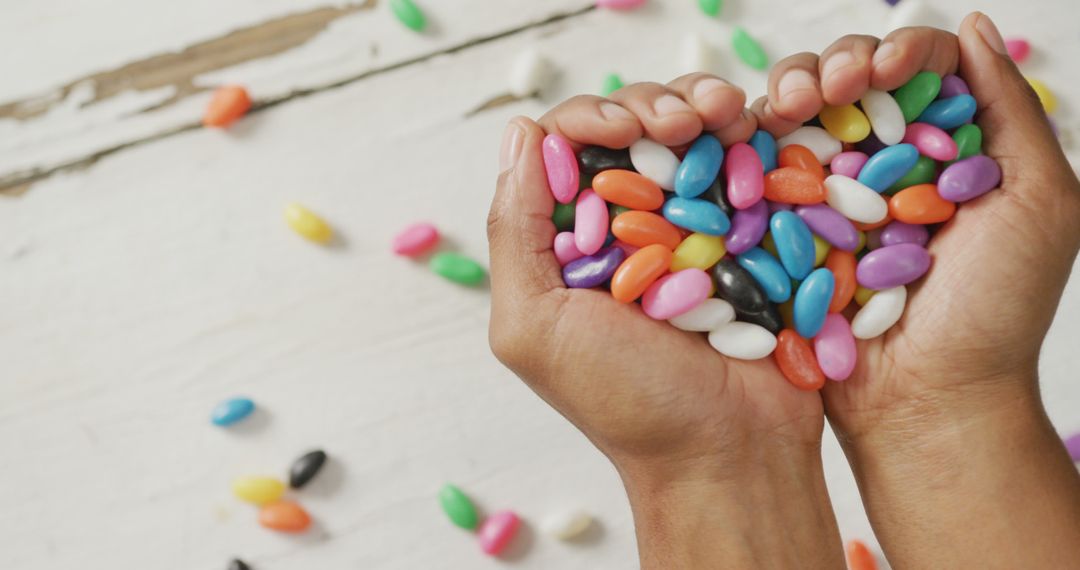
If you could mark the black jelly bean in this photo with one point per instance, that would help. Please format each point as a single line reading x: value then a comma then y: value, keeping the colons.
x: 237, y: 564
x: 594, y: 159
x: 769, y: 319
x: 717, y: 195
x: 305, y: 468
x: 736, y: 286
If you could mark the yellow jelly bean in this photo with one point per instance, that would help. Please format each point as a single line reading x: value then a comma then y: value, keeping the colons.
x: 845, y: 122
x: 769, y: 245
x: 258, y: 490
x: 787, y: 312
x: 1049, y: 101
x: 700, y: 251
x: 862, y: 242
x: 306, y: 223
x: 821, y: 251
x: 863, y: 295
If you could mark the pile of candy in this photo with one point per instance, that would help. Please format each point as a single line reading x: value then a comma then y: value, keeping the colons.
x: 786, y: 234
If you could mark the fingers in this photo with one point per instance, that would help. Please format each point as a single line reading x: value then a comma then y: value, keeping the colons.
x: 717, y: 102
x: 591, y: 120
x: 794, y: 94
x: 845, y: 69
x: 907, y: 51
x: 664, y: 115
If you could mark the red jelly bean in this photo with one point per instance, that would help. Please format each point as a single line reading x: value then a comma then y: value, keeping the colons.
x: 859, y: 556
x: 228, y: 104
x: 794, y: 186
x: 284, y: 516
x: 797, y: 361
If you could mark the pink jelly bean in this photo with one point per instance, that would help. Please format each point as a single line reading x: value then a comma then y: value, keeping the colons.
x: 562, y: 168
x: 745, y: 176
x: 1019, y: 49
x: 565, y: 250
x: 931, y: 141
x: 497, y: 531
x: 1072, y: 443
x: 625, y: 247
x: 416, y: 239
x: 676, y: 293
x: 590, y: 222
x: 835, y: 348
x: 620, y: 4
x: 848, y: 163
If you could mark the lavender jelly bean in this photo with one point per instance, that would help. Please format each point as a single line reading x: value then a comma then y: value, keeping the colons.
x: 896, y: 233
x: 593, y: 270
x: 747, y: 228
x: 830, y: 225
x: 892, y: 266
x: 953, y: 85
x: 969, y: 178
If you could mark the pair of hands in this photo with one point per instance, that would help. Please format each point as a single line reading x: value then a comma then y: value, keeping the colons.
x: 721, y: 458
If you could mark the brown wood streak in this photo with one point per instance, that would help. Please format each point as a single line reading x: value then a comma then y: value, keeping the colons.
x: 179, y: 69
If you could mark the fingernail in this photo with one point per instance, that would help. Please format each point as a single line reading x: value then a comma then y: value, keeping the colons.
x: 707, y: 86
x: 670, y: 104
x: 990, y: 34
x: 511, y: 146
x: 795, y: 80
x: 614, y: 112
x: 883, y: 53
x: 836, y: 62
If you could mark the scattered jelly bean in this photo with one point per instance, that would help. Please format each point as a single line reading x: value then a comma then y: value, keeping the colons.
x: 744, y: 341
x: 530, y: 74
x: 620, y: 4
x: 749, y: 50
x: 416, y: 239
x: 854, y: 200
x: 1072, y: 445
x: 612, y: 83
x: 231, y: 411
x: 953, y: 85
x: 595, y: 159
x: 590, y: 222
x: 921, y: 205
x: 898, y: 232
x: 949, y: 113
x: 593, y: 270
x: 562, y: 168
x: 710, y: 7
x: 628, y: 188
x: 457, y: 506
x: 699, y: 167
x: 818, y: 140
x: 880, y: 313
x: 924, y: 171
x: 931, y: 141
x: 497, y: 531
x: 885, y: 116
x: 893, y: 266
x: 697, y: 216
x: 309, y: 225
x: 457, y: 268
x: 863, y: 295
x: 798, y: 156
x: 835, y: 348
x: 710, y: 315
x: 676, y: 293
x: 639, y: 271
x: 284, y: 516
x: 1046, y: 96
x: 563, y: 216
x: 765, y: 145
x: 794, y: 186
x: 747, y: 228
x: 409, y: 14
x: 794, y: 243
x: 655, y: 161
x: 698, y: 250
x: 567, y: 525
x: 565, y: 250
x: 737, y: 286
x: 797, y: 361
x: 969, y: 178
x: 745, y: 176
x: 226, y: 106
x: 812, y: 302
x: 258, y: 490
x: 768, y: 272
x: 845, y: 122
x: 830, y: 225
x: 842, y: 265
x: 1019, y: 49
x: 888, y: 166
x: 768, y: 319
x: 917, y: 94
x: 848, y: 163
x: 237, y: 564
x: 859, y: 556
x: 306, y: 467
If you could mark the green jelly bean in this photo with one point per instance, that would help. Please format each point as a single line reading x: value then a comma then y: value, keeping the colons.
x: 409, y: 14
x: 749, y: 50
x: 612, y: 83
x: 711, y: 7
x: 458, y: 507
x: 922, y: 173
x: 615, y: 210
x: 916, y: 95
x: 969, y: 140
x: 564, y: 216
x: 457, y: 268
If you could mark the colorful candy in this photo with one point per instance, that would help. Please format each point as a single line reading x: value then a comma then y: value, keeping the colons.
x: 794, y: 186
x: 457, y: 506
x: 1072, y: 445
x: 308, y: 224
x: 497, y: 531
x: 885, y: 116
x: 226, y: 106
x: 258, y: 490
x: 231, y: 411
x: 969, y: 178
x: 797, y: 362
x: 530, y: 73
x: 699, y: 167
x: 834, y: 346
x: 917, y: 94
x: 748, y: 227
x: 888, y: 166
x: 710, y: 7
x: 749, y: 50
x: 921, y: 204
x: 408, y: 14
x: 697, y: 216
x: 812, y: 302
x: 1046, y: 96
x: 561, y: 167
x: 568, y: 525
x: 306, y: 467
x: 745, y: 176
x: 949, y: 113
x: 745, y: 341
x: 893, y: 266
x: 845, y: 122
x: 612, y: 83
x: 416, y: 239
x: 593, y: 270
x: 590, y: 222
x: 639, y: 272
x: 818, y: 140
x: 629, y: 189
x: 879, y: 313
x: 854, y: 200
x: 710, y: 315
x: 931, y: 141
x: 859, y: 556
x: 676, y: 293
x: 457, y: 268
x: 1019, y: 49
x: 656, y: 162
x: 284, y: 516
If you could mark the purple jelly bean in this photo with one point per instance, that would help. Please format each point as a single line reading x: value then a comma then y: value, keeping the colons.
x: 898, y: 232
x: 1072, y: 443
x: 969, y: 178
x: 892, y: 266
x: 831, y: 225
x: 848, y: 163
x: 593, y: 270
x: 775, y: 207
x: 951, y: 86
x: 870, y: 146
x: 747, y: 228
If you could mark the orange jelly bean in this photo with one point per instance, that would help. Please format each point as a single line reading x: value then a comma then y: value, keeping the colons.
x: 868, y: 227
x: 627, y: 188
x: 859, y: 556
x: 228, y: 104
x: 797, y: 361
x: 284, y: 516
x: 645, y: 228
x: 842, y: 264
x: 798, y: 156
x: 920, y: 205
x: 794, y: 186
x: 639, y: 271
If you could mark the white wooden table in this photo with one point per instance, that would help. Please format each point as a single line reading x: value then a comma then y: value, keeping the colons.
x: 147, y: 274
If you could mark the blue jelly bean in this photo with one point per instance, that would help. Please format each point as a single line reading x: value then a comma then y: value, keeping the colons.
x: 768, y: 272
x: 765, y: 145
x: 812, y: 302
x: 949, y: 113
x: 888, y: 166
x: 700, y: 166
x: 231, y: 411
x: 794, y: 243
x: 697, y: 216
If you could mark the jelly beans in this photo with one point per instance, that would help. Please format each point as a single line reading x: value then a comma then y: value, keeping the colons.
x: 408, y: 14
x: 676, y: 293
x: 1072, y: 445
x: 885, y: 116
x: 416, y: 240
x: 745, y: 176
x: 227, y: 105
x: 701, y: 251
x: 629, y: 189
x: 530, y: 73
x: 710, y: 7
x: 595, y: 159
x: 893, y: 266
x: 497, y: 531
x: 308, y: 224
x: 917, y: 94
x: 845, y: 122
x: 818, y: 140
x: 859, y: 556
x: 645, y: 228
x: 710, y: 315
x: 745, y: 341
x: 593, y: 270
x: 284, y: 516
x: 879, y: 313
x: 812, y: 302
x: 568, y: 525
x: 231, y: 411
x: 458, y: 507
x: 749, y: 50
x: 921, y: 204
x: 835, y: 348
x: 656, y: 162
x: 306, y: 467
x: 888, y: 166
x: 612, y: 83
x: 969, y: 178
x: 794, y: 186
x: 931, y: 141
x: 854, y: 200
x: 768, y: 272
x: 258, y: 490
x: 699, y: 167
x: 797, y: 362
x: 457, y: 268
x: 1019, y: 49
x: 748, y: 226
x: 697, y: 216
x: 562, y: 168
x: 640, y: 271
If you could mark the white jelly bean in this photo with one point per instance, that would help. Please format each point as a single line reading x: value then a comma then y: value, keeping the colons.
x: 885, y: 116
x: 655, y: 162
x: 744, y: 341
x: 710, y: 315
x: 531, y: 72
x: 818, y: 140
x: 567, y: 525
x: 854, y: 200
x: 697, y: 54
x: 880, y: 313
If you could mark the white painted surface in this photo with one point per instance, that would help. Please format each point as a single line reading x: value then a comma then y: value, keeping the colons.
x: 142, y: 291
